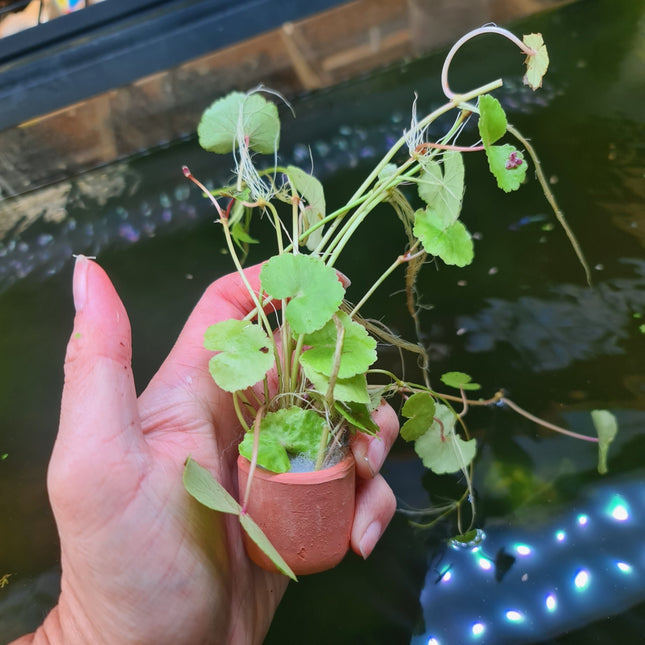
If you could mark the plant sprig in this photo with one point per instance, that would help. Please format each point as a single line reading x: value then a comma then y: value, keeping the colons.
x: 320, y: 348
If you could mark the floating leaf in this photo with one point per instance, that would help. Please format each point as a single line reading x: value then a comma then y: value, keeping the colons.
x: 536, y: 65
x: 460, y: 381
x: 314, y: 289
x: 349, y: 390
x: 313, y: 193
x: 245, y: 354
x: 452, y: 243
x: 289, y: 431
x: 440, y: 448
x: 358, y: 353
x: 606, y: 429
x: 358, y: 416
x: 443, y: 190
x: 238, y: 117
x: 492, y: 120
x: 507, y: 165
x: 420, y: 411
x: 208, y: 491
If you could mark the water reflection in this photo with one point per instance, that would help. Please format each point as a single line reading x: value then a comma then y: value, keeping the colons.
x: 575, y: 323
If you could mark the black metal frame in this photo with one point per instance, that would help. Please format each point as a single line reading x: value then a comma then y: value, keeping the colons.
x: 113, y: 43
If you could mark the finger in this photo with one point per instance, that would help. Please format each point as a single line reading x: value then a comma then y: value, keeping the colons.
x: 99, y: 415
x: 375, y: 506
x: 370, y: 451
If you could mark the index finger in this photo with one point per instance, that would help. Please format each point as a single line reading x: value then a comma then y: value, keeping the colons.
x: 370, y: 451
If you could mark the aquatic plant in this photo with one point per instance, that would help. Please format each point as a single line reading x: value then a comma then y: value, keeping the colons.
x: 300, y: 366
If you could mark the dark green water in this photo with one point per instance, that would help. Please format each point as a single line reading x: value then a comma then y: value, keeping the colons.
x: 521, y: 317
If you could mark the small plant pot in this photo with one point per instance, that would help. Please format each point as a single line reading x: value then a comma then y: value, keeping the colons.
x: 306, y: 516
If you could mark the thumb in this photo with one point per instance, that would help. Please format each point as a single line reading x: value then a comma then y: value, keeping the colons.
x: 99, y: 423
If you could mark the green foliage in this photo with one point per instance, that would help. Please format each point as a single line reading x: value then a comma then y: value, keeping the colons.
x: 505, y: 162
x: 420, y: 411
x: 358, y: 350
x: 459, y: 380
x: 443, y: 192
x: 492, y: 120
x: 312, y: 286
x: 238, y: 117
x: 208, y: 491
x: 312, y: 191
x: 507, y: 165
x: 436, y: 226
x: 324, y: 354
x: 452, y: 243
x: 290, y: 431
x: 358, y: 416
x: 606, y: 427
x: 536, y: 65
x: 348, y: 390
x: 440, y: 448
x: 245, y: 354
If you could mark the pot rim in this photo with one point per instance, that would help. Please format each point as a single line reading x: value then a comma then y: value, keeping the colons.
x: 337, y: 471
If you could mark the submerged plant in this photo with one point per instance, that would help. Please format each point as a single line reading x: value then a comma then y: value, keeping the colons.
x: 317, y: 345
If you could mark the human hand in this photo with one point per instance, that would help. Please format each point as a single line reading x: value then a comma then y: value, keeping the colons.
x: 143, y: 562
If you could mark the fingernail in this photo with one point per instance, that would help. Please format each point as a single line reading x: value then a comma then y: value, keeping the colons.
x: 344, y: 280
x: 370, y: 538
x: 376, y: 454
x: 79, y: 282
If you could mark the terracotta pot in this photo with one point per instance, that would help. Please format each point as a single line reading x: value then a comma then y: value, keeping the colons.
x: 306, y: 516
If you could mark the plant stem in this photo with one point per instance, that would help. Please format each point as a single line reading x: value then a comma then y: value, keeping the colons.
x: 550, y: 197
x: 254, y: 458
x: 546, y: 424
x: 338, y: 354
x: 295, y: 365
x: 359, y: 215
x: 254, y: 296
x: 402, y: 259
x: 489, y: 29
x: 238, y: 412
x: 427, y: 120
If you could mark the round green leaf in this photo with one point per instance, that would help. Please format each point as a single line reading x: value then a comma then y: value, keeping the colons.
x: 443, y: 190
x: 237, y: 117
x: 358, y: 353
x: 451, y: 243
x: 507, y: 165
x: 441, y: 449
x: 313, y: 288
x: 245, y: 354
x: 459, y: 380
x: 536, y: 65
x: 420, y: 411
x: 290, y: 431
